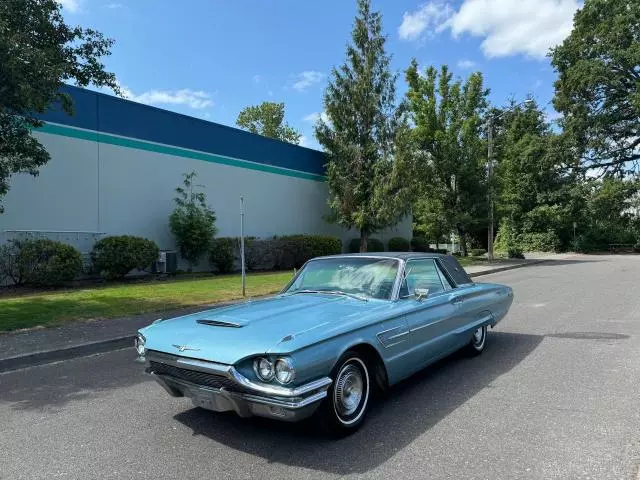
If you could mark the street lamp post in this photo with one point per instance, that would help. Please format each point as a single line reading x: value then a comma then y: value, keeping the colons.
x: 490, y: 119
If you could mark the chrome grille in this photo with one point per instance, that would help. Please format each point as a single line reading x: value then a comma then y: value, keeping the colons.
x: 193, y: 376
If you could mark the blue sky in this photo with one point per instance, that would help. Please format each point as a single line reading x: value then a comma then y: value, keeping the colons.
x: 211, y: 58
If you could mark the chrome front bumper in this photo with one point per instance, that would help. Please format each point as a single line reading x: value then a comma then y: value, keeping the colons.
x: 235, y: 392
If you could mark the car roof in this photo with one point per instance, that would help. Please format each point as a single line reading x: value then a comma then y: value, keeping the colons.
x: 398, y: 255
x: 450, y: 263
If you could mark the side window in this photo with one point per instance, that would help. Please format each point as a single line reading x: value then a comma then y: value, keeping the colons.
x: 443, y: 278
x: 422, y: 274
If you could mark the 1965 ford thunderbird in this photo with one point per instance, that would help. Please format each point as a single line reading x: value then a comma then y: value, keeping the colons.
x: 343, y: 328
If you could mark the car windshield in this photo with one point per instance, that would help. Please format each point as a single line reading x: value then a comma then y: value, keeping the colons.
x: 356, y: 276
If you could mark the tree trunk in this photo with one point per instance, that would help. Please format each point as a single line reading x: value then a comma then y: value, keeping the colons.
x: 363, y: 241
x: 463, y: 240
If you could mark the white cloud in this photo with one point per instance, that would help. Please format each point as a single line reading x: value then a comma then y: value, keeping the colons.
x: 306, y: 79
x: 114, y: 6
x: 196, y: 99
x: 430, y: 18
x: 270, y: 93
x: 508, y: 27
x: 315, y: 116
x: 528, y: 27
x: 304, y: 141
x: 72, y: 6
x: 466, y: 64
x: 257, y: 79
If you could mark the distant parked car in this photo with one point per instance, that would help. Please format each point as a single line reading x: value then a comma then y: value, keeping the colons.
x: 344, y: 327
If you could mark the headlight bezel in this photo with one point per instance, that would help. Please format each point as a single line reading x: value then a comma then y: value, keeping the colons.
x: 273, y: 376
x: 257, y: 369
x: 291, y: 371
x: 140, y: 344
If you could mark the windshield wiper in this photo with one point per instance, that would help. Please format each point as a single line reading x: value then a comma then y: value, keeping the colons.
x: 332, y: 292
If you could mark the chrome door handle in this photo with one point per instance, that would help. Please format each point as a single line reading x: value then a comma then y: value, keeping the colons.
x: 456, y: 300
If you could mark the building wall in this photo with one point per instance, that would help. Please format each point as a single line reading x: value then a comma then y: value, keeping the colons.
x: 115, y: 164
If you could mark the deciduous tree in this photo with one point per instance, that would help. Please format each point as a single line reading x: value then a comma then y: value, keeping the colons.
x: 598, y: 86
x: 267, y: 119
x: 39, y: 52
x: 449, y: 153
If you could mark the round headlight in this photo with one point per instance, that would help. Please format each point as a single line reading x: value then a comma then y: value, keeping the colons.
x: 264, y: 369
x: 284, y: 370
x: 139, y: 344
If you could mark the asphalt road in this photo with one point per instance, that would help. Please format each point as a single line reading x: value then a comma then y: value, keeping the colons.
x: 556, y: 395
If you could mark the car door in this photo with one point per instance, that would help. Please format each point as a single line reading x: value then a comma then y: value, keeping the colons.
x: 432, y: 318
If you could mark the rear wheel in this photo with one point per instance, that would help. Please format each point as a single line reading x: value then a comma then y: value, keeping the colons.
x: 478, y: 341
x: 348, y: 399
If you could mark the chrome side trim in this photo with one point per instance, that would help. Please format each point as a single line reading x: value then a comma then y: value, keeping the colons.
x: 278, y: 391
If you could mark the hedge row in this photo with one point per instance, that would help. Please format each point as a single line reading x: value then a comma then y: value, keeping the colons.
x: 116, y: 256
x: 278, y: 253
x: 48, y: 263
x: 39, y: 262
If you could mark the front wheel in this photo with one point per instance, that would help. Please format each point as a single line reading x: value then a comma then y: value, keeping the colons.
x: 348, y: 397
x: 478, y: 341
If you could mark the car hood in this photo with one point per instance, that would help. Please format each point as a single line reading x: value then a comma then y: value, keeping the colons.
x: 278, y: 324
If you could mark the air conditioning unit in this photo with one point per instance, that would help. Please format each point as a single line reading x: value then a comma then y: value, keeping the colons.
x: 167, y: 262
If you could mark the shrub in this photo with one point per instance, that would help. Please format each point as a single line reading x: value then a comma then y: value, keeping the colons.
x: 116, y: 256
x: 292, y: 251
x: 420, y: 244
x: 399, y: 244
x: 539, y: 241
x: 373, y: 245
x: 515, y: 252
x: 439, y: 250
x: 259, y: 254
x: 477, y: 252
x: 223, y: 254
x: 192, y: 222
x: 506, y: 239
x: 44, y: 262
x: 9, y: 268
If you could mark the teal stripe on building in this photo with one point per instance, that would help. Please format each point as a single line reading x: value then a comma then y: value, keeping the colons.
x: 100, y: 137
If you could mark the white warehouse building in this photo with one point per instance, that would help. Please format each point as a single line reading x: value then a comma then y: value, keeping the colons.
x: 115, y: 165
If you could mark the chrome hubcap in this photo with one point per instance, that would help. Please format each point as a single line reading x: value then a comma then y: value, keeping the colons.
x: 349, y: 390
x: 478, y: 336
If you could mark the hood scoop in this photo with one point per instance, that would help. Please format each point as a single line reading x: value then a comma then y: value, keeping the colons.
x: 218, y: 323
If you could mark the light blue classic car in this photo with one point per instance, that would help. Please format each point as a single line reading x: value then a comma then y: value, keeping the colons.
x: 345, y: 327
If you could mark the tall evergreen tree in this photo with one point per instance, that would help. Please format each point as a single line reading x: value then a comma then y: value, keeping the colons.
x: 363, y: 137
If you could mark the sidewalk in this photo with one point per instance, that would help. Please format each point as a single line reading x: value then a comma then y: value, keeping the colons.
x: 75, y: 339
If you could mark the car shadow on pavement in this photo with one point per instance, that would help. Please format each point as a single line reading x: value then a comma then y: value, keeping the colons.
x: 409, y: 410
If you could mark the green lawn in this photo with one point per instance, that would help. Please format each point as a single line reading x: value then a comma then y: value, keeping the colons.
x: 54, y: 308
x: 466, y: 261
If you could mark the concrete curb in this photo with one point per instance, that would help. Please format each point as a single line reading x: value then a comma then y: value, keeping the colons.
x: 508, y: 267
x: 104, y: 346
x: 51, y: 356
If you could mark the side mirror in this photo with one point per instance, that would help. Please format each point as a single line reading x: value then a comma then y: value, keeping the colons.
x: 421, y: 293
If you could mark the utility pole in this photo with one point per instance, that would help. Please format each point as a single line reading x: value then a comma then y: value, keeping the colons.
x: 490, y: 185
x: 244, y: 280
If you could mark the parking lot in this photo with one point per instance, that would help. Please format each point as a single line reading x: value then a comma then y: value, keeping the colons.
x: 556, y: 394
